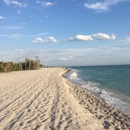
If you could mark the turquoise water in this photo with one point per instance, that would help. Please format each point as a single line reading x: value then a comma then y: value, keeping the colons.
x: 112, y: 83
x: 114, y: 78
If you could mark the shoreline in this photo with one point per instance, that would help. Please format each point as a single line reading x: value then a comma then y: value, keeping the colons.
x: 108, y: 112
x: 79, y: 84
x: 90, y: 91
x: 43, y: 99
x: 108, y: 97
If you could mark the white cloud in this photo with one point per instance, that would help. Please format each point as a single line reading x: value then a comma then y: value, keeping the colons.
x: 48, y: 4
x: 37, y: 40
x: 98, y: 36
x: 1, y: 17
x: 81, y: 38
x: 102, y: 36
x: 128, y: 39
x: 113, y: 37
x: 19, y: 12
x: 97, y: 6
x: 66, y: 58
x: 46, y: 40
x: 45, y: 4
x: 8, y: 2
x: 52, y: 39
x: 63, y: 59
x: 103, y: 6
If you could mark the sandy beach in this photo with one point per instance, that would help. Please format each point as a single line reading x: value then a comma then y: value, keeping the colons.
x: 44, y: 100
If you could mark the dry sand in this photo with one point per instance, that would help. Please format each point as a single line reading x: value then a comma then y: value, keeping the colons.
x: 44, y: 100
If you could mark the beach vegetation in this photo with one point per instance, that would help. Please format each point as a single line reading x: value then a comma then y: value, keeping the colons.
x: 4, y: 66
x: 28, y: 64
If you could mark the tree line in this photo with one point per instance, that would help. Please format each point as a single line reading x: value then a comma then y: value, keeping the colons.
x: 28, y: 64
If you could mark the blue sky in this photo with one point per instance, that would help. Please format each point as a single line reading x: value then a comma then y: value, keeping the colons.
x: 66, y: 32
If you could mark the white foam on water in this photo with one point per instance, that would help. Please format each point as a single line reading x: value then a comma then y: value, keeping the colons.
x: 73, y: 74
x: 92, y: 86
x: 108, y: 97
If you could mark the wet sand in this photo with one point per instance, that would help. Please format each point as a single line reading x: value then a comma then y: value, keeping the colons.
x: 44, y: 100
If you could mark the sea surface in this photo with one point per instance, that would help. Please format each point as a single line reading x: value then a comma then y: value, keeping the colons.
x: 111, y: 83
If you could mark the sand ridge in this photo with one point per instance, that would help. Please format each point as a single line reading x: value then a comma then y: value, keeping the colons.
x: 43, y: 100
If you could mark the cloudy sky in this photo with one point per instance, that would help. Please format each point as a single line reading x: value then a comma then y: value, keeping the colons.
x: 66, y: 32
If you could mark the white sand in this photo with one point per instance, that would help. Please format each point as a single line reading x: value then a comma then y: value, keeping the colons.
x: 43, y: 100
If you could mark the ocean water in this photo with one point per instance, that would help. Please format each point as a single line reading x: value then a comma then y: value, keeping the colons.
x: 111, y: 83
